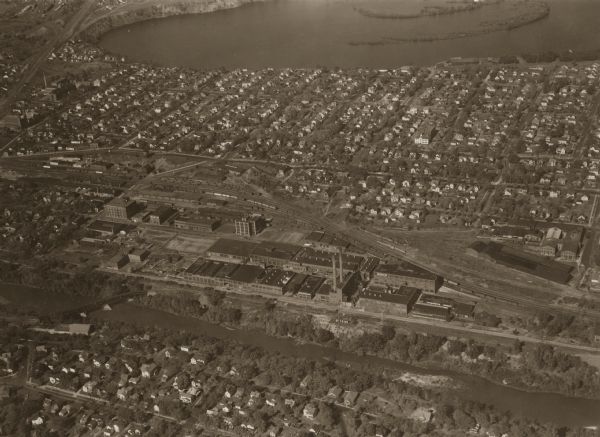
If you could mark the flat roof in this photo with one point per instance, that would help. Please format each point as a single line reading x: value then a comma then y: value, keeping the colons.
x: 276, y: 250
x: 404, y: 268
x: 433, y: 310
x: 226, y: 270
x: 232, y: 247
x: 163, y: 211
x: 196, y: 267
x: 325, y: 289
x: 463, y: 308
x: 198, y: 219
x: 296, y: 280
x: 311, y: 284
x: 401, y: 296
x: 324, y: 238
x: 246, y: 273
x: 211, y: 268
x: 276, y: 277
x: 432, y: 299
x: 311, y: 256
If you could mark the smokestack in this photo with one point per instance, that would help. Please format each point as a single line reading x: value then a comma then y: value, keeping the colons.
x: 333, y: 265
x: 341, y: 269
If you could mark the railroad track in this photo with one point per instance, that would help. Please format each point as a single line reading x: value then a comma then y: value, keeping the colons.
x: 382, y: 247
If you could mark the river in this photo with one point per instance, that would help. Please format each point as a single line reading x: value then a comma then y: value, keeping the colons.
x: 546, y: 407
x: 309, y: 33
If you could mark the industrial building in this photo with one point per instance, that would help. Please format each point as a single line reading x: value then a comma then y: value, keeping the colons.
x: 120, y: 208
x: 231, y: 250
x: 388, y: 300
x: 197, y: 223
x: 161, y: 215
x: 323, y: 241
x: 249, y: 226
x: 405, y: 274
x: 433, y: 307
x: 274, y: 254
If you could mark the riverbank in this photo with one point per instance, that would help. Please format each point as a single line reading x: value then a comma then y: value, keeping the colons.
x: 546, y: 407
x: 152, y: 9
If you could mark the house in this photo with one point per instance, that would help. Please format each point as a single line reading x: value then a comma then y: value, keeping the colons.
x: 148, y: 370
x: 89, y: 386
x: 289, y: 402
x: 188, y: 396
x: 305, y: 381
x: 197, y: 360
x: 350, y: 398
x: 123, y: 392
x: 335, y: 392
x: 310, y: 411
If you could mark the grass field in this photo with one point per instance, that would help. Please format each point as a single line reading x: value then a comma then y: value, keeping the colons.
x: 189, y: 244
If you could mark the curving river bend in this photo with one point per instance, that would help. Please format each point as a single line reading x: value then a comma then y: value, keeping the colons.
x: 546, y: 407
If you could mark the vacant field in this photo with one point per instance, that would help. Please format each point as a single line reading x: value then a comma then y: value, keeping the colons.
x: 281, y: 236
x: 156, y: 236
x: 189, y: 244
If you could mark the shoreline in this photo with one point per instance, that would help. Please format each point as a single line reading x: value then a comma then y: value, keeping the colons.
x: 427, y: 11
x: 492, y: 28
x: 426, y: 373
x: 153, y: 10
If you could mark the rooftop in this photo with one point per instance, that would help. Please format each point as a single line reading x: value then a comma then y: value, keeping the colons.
x: 233, y: 247
x: 246, y: 273
x: 276, y: 277
x: 404, y: 268
x: 281, y: 251
x: 310, y: 256
x: 401, y: 296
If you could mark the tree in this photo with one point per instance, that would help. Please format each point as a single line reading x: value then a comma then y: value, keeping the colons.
x: 388, y: 332
x: 462, y: 419
x: 326, y: 415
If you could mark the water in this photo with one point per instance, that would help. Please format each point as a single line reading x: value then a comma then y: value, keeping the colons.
x: 563, y: 410
x: 309, y: 33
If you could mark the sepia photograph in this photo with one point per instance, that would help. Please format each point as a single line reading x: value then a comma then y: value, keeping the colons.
x: 300, y: 218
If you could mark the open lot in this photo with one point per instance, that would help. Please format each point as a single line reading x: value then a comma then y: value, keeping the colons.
x: 189, y: 244
x: 282, y: 236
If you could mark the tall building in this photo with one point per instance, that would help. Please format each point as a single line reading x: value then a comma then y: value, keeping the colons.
x: 249, y: 226
x: 120, y: 208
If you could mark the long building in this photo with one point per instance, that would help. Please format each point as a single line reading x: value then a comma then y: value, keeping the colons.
x: 231, y: 250
x: 197, y: 223
x: 388, y: 301
x: 286, y: 256
x: 405, y: 274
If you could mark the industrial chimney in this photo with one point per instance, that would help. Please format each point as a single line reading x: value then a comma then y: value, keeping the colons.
x: 341, y: 268
x: 333, y: 265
